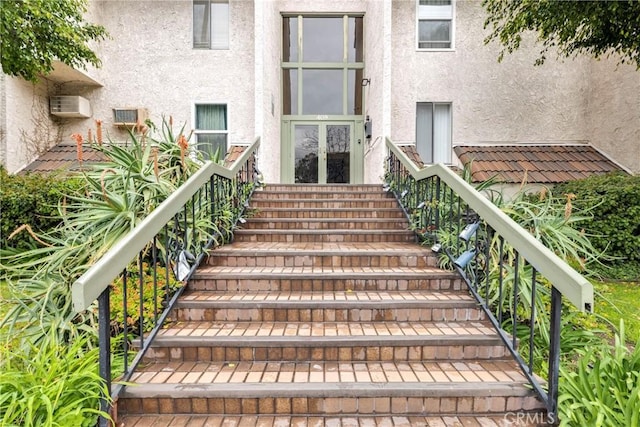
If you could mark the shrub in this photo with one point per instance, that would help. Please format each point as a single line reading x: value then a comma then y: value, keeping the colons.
x: 54, y: 385
x: 33, y: 200
x: 604, y: 388
x: 614, y: 201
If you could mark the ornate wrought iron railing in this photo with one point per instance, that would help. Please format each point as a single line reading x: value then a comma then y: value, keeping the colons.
x: 138, y: 281
x: 518, y: 282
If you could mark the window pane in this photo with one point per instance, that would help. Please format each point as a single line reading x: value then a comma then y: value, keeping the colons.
x: 200, y: 25
x: 424, y: 131
x: 290, y: 91
x: 219, y: 25
x: 211, y: 117
x: 322, y: 39
x: 442, y: 133
x: 354, y: 92
x: 212, y: 145
x: 434, y: 34
x: 322, y: 92
x: 290, y: 40
x: 354, y: 45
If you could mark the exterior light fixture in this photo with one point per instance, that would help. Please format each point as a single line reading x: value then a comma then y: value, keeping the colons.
x: 464, y: 258
x: 436, y: 248
x: 468, y: 232
x: 365, y: 82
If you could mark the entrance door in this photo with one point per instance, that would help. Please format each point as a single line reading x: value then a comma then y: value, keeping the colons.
x: 322, y: 120
x: 323, y: 152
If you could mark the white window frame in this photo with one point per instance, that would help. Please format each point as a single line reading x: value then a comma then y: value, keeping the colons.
x: 197, y: 132
x: 436, y: 13
x: 212, y: 44
x: 436, y: 147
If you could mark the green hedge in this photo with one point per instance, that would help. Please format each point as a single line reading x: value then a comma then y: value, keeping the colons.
x: 30, y: 199
x: 615, y: 202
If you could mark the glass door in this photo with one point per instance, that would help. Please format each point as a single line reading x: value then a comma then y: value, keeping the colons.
x: 322, y: 152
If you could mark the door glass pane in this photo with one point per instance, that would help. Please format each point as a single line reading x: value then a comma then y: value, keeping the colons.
x: 290, y: 40
x: 322, y: 91
x: 338, y: 144
x: 290, y: 91
x: 355, y: 45
x: 306, y: 153
x: 322, y: 39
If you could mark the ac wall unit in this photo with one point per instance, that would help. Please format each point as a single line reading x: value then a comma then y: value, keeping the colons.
x: 70, y: 106
x: 129, y: 116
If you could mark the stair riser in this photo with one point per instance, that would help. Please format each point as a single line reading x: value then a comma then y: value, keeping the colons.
x: 347, y: 195
x: 331, y: 405
x: 249, y: 236
x: 320, y: 285
x: 371, y: 353
x: 327, y: 214
x: 232, y: 259
x: 274, y: 224
x: 328, y: 314
x: 323, y: 204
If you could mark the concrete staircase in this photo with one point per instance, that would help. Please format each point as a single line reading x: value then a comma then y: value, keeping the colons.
x: 325, y: 312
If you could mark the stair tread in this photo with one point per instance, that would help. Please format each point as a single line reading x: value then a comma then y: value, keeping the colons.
x: 332, y: 219
x: 326, y: 331
x: 395, y: 420
x: 360, y: 298
x: 314, y: 374
x: 320, y: 231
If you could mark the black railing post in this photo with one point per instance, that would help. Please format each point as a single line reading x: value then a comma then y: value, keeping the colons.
x: 104, y: 339
x: 554, y: 352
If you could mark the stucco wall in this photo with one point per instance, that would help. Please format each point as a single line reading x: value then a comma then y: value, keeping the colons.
x: 149, y: 62
x: 30, y: 129
x: 614, y: 111
x: 3, y: 120
x: 512, y: 101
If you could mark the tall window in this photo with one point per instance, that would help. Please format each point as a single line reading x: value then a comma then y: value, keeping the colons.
x: 433, y: 132
x: 435, y: 24
x: 211, y: 129
x: 211, y: 24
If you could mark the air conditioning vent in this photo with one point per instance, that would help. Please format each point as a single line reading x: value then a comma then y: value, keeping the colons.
x: 129, y: 116
x: 70, y: 106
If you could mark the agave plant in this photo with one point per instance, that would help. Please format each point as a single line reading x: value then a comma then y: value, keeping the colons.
x: 118, y: 194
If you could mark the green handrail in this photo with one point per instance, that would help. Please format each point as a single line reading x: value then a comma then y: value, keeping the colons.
x: 573, y: 286
x: 86, y: 289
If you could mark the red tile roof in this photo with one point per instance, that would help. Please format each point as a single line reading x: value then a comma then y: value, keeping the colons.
x: 63, y: 157
x: 544, y: 164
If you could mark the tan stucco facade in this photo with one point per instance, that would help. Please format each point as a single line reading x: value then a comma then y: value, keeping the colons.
x: 149, y: 62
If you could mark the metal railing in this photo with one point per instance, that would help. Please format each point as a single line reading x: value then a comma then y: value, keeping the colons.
x: 138, y: 281
x: 514, y: 277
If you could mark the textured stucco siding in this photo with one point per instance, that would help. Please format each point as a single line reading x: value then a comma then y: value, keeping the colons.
x: 29, y: 129
x: 149, y: 62
x: 614, y: 111
x: 377, y: 26
x: 512, y: 101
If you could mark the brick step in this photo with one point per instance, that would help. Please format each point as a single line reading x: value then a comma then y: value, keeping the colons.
x: 318, y: 254
x: 327, y: 213
x: 327, y: 223
x: 269, y: 194
x: 337, y: 203
x: 507, y: 419
x: 336, y: 235
x: 319, y: 279
x: 284, y: 388
x: 356, y: 306
x: 328, y: 341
